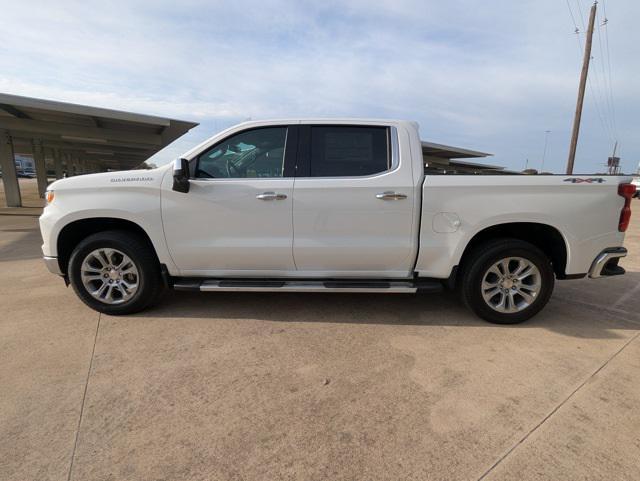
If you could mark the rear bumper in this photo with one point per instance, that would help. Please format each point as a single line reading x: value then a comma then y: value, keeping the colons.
x: 53, y: 265
x: 608, y: 259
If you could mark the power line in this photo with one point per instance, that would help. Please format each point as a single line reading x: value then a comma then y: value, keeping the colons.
x: 584, y: 25
x: 601, y: 114
x: 594, y: 85
x: 607, y: 87
x: 606, y: 37
x: 573, y: 19
x: 605, y: 126
x: 599, y: 99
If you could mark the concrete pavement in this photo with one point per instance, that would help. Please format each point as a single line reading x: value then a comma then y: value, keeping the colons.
x: 311, y: 386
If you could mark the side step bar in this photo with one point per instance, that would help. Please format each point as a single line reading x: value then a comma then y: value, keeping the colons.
x: 293, y: 285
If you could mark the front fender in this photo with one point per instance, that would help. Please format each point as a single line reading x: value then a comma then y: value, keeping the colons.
x: 140, y: 206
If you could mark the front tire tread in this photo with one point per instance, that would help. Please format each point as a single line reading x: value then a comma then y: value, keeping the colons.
x: 151, y: 285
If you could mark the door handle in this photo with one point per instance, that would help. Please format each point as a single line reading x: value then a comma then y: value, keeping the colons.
x: 271, y: 196
x: 390, y: 196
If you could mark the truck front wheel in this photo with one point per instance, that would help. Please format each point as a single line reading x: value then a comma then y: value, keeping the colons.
x: 507, y: 281
x: 115, y: 272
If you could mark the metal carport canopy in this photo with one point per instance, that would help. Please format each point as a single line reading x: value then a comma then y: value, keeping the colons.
x: 93, y: 138
x: 432, y: 149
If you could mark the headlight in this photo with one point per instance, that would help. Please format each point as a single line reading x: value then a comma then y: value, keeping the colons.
x: 49, y: 195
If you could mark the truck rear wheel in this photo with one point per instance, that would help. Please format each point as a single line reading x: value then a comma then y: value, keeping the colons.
x: 507, y: 281
x: 115, y: 272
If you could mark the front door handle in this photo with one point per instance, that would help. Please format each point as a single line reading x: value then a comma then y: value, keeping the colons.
x: 271, y: 196
x: 390, y: 196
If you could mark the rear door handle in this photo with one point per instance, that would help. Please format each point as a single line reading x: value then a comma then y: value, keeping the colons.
x: 390, y: 196
x: 271, y: 196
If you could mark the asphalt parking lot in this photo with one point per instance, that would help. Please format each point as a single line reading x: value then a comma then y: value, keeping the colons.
x: 312, y: 386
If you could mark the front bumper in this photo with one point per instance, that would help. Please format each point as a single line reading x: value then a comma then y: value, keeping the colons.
x: 606, y: 263
x: 53, y: 265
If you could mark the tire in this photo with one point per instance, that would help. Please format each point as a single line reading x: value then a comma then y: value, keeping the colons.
x: 515, y: 299
x: 89, y: 272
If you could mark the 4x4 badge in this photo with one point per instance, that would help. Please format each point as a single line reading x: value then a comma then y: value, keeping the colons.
x: 590, y: 180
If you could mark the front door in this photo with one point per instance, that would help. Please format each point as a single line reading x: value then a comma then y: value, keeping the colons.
x: 237, y: 217
x: 353, y: 210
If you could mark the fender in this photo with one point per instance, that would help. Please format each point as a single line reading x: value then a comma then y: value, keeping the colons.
x: 530, y: 218
x: 155, y: 233
x: 440, y: 252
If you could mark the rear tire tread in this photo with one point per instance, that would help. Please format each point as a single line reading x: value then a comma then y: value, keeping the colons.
x: 481, y: 258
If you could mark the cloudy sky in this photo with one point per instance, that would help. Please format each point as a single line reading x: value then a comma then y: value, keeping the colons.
x: 489, y: 75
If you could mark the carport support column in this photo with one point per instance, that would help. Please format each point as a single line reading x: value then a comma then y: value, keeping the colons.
x: 67, y: 164
x: 57, y: 163
x: 9, y: 174
x: 41, y: 166
x: 71, y: 165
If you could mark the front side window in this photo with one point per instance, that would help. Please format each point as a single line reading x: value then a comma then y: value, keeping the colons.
x: 339, y: 151
x: 250, y: 154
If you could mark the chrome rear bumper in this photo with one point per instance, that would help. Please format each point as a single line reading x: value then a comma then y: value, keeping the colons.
x: 52, y: 265
x: 603, y: 258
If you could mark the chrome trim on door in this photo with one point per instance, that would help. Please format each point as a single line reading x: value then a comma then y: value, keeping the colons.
x: 395, y: 149
x: 271, y: 196
x: 388, y: 195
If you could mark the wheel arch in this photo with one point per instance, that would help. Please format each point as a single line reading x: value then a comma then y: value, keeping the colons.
x: 545, y: 237
x: 74, y: 232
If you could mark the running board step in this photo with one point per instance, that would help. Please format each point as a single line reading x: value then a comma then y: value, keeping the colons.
x: 273, y: 285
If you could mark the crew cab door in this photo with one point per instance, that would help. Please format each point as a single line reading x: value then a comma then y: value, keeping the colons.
x: 354, y: 197
x: 236, y: 218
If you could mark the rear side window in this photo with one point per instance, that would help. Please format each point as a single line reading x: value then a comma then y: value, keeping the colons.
x: 338, y: 151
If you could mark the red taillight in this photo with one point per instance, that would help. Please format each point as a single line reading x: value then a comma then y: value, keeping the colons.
x: 626, y: 191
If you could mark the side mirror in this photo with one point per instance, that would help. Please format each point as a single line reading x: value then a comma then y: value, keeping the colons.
x: 181, y: 175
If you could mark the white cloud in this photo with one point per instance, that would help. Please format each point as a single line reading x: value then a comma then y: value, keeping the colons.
x: 492, y: 75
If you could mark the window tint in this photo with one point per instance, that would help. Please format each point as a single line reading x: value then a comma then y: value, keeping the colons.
x: 249, y: 154
x: 348, y: 151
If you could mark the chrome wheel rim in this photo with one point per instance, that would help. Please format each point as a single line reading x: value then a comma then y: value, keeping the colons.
x: 109, y: 275
x: 511, y: 285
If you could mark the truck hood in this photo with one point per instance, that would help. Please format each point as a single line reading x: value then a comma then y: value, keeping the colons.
x: 124, y: 178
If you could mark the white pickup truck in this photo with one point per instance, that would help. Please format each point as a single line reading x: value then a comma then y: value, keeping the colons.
x: 330, y: 205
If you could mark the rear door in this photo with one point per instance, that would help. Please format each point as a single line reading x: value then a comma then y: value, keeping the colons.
x: 353, y: 210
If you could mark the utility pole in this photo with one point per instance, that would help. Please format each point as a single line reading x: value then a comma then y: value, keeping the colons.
x: 583, y: 84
